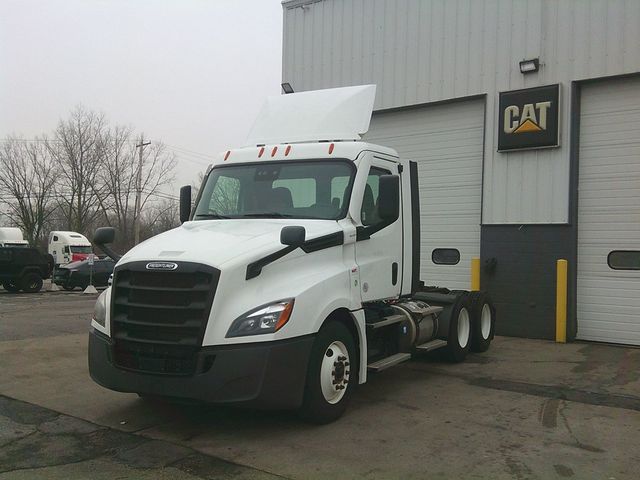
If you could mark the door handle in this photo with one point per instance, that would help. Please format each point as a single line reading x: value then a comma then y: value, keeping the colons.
x: 394, y: 273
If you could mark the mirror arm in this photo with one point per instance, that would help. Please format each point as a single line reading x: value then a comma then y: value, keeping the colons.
x: 106, y: 249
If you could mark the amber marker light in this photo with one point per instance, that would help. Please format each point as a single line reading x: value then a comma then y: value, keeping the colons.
x: 284, y: 316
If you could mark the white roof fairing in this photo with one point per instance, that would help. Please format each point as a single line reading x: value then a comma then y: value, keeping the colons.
x: 330, y: 114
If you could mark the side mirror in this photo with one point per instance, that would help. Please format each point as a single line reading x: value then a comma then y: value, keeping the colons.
x: 185, y: 203
x: 389, y: 198
x: 293, y: 235
x: 102, y: 237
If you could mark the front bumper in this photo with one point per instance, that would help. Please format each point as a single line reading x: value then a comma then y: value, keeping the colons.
x: 268, y: 375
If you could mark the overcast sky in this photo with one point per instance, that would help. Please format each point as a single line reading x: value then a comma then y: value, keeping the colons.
x: 192, y: 73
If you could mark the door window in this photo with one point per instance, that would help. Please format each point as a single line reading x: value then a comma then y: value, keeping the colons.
x: 445, y: 256
x: 369, y: 211
x: 624, y: 260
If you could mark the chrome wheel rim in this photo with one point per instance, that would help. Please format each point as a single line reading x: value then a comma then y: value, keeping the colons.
x: 464, y: 328
x: 485, y: 321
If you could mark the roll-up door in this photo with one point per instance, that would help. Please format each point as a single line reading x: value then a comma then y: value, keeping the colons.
x: 608, y: 293
x: 447, y: 143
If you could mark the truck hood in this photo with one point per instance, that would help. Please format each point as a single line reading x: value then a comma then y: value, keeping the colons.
x: 216, y: 242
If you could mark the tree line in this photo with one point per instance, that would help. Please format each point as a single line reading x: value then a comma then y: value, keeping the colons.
x: 85, y: 174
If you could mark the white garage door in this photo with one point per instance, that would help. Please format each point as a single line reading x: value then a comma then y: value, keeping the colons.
x: 609, y: 213
x: 447, y: 143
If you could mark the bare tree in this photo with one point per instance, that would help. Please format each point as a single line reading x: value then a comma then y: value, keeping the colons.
x: 119, y: 174
x: 27, y: 179
x: 158, y: 167
x: 118, y: 178
x: 78, y: 148
x: 160, y: 217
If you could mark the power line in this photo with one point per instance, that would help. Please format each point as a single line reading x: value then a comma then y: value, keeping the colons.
x: 192, y: 152
x: 185, y: 154
x: 66, y: 196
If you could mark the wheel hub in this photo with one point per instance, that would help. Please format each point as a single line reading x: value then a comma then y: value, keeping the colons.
x: 334, y: 372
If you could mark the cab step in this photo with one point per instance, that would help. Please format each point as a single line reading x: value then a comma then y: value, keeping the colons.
x: 387, y: 362
x: 384, y: 321
x: 432, y: 345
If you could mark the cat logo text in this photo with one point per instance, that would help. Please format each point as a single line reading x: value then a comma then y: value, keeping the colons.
x: 531, y: 118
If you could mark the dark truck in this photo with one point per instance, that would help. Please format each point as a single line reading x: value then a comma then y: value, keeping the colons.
x: 24, y: 269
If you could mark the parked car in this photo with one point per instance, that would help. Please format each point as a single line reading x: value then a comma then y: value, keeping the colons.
x: 77, y: 274
x: 24, y: 268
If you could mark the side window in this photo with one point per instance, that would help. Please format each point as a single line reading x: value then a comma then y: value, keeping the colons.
x: 224, y: 199
x: 624, y: 260
x: 369, y: 211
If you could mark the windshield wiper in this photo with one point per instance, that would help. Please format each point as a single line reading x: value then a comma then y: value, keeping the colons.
x: 210, y: 215
x: 266, y: 215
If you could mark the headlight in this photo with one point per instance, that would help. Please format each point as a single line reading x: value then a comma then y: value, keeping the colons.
x: 266, y: 319
x: 100, y: 310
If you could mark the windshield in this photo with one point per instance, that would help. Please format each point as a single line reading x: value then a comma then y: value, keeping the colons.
x: 81, y: 249
x: 306, y: 189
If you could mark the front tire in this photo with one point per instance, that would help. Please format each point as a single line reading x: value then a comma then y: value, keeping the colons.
x: 68, y: 288
x: 331, y: 375
x: 31, y: 283
x: 11, y: 287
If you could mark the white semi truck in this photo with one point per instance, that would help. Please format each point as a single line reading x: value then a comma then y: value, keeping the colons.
x: 294, y: 277
x: 66, y: 247
x: 12, y: 237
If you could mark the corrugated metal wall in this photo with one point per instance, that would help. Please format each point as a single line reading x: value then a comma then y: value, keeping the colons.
x: 420, y: 51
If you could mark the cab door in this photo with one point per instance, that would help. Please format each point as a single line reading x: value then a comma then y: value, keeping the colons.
x: 379, y: 243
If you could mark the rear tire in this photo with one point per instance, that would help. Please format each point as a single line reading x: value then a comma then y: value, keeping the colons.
x: 459, y: 340
x: 331, y: 376
x: 31, y: 283
x: 69, y: 288
x: 483, y: 316
x: 11, y: 287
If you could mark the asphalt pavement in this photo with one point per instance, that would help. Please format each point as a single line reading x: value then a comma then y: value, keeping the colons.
x: 526, y: 409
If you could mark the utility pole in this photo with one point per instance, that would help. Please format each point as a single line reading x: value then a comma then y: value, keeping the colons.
x: 138, y: 202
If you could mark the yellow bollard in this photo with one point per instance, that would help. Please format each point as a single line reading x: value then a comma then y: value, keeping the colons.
x: 475, y: 274
x: 561, y: 301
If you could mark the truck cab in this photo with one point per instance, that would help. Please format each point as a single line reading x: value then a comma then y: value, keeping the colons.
x: 12, y: 237
x: 295, y: 275
x: 67, y: 247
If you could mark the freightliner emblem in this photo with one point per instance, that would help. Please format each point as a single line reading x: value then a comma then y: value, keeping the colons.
x: 161, y: 266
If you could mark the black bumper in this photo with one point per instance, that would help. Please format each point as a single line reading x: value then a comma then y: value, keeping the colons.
x: 261, y: 375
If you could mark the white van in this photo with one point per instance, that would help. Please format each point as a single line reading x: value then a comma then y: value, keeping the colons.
x: 12, y: 237
x: 66, y: 247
